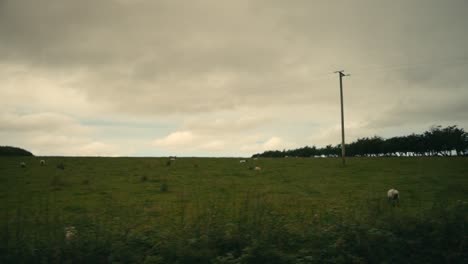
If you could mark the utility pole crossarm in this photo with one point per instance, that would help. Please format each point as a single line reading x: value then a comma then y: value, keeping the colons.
x: 342, y: 73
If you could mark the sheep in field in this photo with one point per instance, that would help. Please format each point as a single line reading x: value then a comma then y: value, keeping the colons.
x: 393, y: 196
x: 42, y: 162
x: 257, y: 168
x: 70, y: 233
x: 242, y: 161
x: 23, y: 164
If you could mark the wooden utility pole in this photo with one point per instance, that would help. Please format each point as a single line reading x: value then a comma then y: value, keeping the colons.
x: 343, y: 153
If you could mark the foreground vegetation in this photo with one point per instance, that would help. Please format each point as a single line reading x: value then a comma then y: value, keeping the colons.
x: 193, y: 210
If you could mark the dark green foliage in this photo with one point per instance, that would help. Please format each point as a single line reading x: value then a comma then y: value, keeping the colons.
x: 437, y: 141
x: 164, y: 187
x: 14, y: 151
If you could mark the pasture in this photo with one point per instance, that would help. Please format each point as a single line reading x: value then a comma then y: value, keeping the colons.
x: 217, y: 210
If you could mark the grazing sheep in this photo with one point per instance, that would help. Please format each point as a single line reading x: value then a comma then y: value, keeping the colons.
x: 393, y: 196
x: 23, y: 164
x: 257, y: 168
x: 42, y: 162
x: 70, y: 233
x: 255, y: 159
x: 242, y: 161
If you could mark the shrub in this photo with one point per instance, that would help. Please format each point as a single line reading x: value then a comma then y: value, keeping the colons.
x: 57, y: 182
x: 164, y: 187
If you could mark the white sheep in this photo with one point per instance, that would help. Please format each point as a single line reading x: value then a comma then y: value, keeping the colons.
x: 70, y: 233
x: 23, y: 164
x: 42, y: 162
x: 393, y: 196
x: 242, y: 161
x: 257, y: 168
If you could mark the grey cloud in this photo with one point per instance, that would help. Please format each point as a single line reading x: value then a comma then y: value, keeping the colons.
x: 214, y: 34
x: 186, y: 57
x: 52, y: 134
x: 42, y: 123
x: 424, y: 111
x: 94, y: 32
x: 242, y: 123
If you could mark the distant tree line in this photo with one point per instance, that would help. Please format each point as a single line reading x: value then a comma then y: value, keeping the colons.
x: 13, y: 151
x: 437, y: 141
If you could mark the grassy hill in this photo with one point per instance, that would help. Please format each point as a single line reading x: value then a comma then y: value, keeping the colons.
x: 216, y: 210
x: 13, y: 151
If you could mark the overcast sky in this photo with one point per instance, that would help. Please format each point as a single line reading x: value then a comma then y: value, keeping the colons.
x: 225, y: 78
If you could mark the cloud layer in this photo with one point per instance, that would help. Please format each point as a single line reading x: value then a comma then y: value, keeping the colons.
x: 116, y: 77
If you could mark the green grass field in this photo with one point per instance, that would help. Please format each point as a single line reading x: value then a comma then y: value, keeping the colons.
x: 216, y: 210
